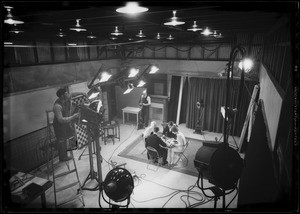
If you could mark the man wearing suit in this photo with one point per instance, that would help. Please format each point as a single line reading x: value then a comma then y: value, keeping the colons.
x: 156, y: 142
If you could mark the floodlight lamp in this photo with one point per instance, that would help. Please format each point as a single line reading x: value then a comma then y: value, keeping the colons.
x: 246, y: 64
x: 118, y: 186
x: 93, y: 95
x: 153, y: 69
x: 129, y: 89
x: 141, y: 83
x: 133, y: 72
x: 105, y: 76
x: 132, y: 8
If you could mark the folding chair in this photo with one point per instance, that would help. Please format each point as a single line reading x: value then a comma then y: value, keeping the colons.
x: 154, y: 157
x: 181, y: 154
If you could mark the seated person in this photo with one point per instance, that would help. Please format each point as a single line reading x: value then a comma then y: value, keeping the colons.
x: 167, y: 130
x: 149, y: 131
x: 176, y: 145
x: 157, y: 143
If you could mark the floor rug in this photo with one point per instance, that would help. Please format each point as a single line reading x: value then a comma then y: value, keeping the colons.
x: 136, y: 151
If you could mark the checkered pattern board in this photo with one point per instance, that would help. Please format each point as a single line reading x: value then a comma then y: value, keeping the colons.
x: 81, y: 135
x: 79, y: 100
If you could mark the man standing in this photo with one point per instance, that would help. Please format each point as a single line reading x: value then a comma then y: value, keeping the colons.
x: 145, y: 103
x: 156, y: 142
x: 62, y: 121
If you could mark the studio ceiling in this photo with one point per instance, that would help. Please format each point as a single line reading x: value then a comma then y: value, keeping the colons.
x: 42, y: 20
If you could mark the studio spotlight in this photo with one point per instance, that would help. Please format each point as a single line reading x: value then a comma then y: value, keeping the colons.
x: 246, y: 64
x: 118, y: 186
x: 130, y: 87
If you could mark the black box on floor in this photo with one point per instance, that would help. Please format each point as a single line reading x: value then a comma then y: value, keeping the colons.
x: 32, y: 189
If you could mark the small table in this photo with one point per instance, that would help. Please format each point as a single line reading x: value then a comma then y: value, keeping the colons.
x: 131, y: 110
x: 19, y: 197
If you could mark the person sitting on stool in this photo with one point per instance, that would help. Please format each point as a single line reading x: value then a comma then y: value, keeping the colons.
x: 156, y: 142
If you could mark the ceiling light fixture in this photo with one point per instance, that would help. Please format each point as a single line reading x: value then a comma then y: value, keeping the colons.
x: 129, y: 89
x: 60, y: 34
x: 206, y: 32
x: 78, y: 27
x: 194, y: 27
x: 116, y: 32
x: 174, y: 21
x: 8, y: 43
x: 16, y: 30
x: 91, y: 36
x: 141, y: 35
x: 132, y: 8
x: 157, y: 36
x: 10, y: 19
x: 170, y: 37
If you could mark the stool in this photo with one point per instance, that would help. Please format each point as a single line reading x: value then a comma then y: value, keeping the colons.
x: 111, y: 131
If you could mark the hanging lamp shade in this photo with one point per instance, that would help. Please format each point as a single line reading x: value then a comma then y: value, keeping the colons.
x: 206, y: 32
x: 116, y: 32
x: 158, y: 36
x: 10, y: 19
x: 174, y: 21
x: 91, y: 36
x: 170, y: 37
x: 194, y: 27
x: 132, y: 8
x: 140, y: 34
x: 78, y: 27
x: 141, y: 83
x: 60, y: 33
x: 16, y: 30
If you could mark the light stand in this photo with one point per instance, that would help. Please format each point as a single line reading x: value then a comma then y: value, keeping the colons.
x: 200, y: 107
x: 221, y: 164
x: 117, y: 186
x: 93, y: 123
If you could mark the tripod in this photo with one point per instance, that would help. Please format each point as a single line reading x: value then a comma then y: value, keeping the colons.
x: 93, y: 123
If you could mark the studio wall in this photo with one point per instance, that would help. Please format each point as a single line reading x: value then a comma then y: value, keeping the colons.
x: 272, y: 102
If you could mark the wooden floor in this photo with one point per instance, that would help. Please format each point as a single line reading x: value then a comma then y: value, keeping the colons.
x: 163, y: 188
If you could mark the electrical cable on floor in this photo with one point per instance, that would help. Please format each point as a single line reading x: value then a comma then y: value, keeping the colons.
x: 175, y: 192
x: 232, y: 198
x: 122, y: 142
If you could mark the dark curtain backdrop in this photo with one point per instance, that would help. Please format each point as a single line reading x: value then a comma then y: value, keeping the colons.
x: 173, y: 102
x: 184, y: 101
x: 213, y: 93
